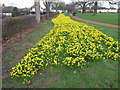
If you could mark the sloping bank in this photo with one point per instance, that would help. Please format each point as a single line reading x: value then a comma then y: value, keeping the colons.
x: 70, y: 44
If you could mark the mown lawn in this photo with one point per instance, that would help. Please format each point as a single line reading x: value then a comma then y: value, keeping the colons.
x: 111, y: 32
x: 111, y: 18
x: 14, y: 54
x: 97, y: 74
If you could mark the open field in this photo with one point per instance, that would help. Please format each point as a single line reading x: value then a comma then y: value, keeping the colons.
x: 111, y: 18
x: 111, y: 32
x: 96, y: 74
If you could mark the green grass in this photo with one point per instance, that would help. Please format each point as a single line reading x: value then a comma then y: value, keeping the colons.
x: 111, y: 32
x: 111, y: 18
x: 14, y: 54
x: 97, y: 74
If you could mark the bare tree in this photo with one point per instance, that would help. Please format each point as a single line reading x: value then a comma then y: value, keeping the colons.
x: 71, y: 7
x: 55, y: 6
x: 74, y: 6
x: 47, y: 5
x: 62, y: 6
x: 115, y: 2
x: 119, y: 7
x: 84, y: 4
x: 95, y: 8
x: 111, y: 2
x: 58, y: 6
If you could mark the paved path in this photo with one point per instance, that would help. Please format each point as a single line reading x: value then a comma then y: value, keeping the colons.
x: 95, y: 22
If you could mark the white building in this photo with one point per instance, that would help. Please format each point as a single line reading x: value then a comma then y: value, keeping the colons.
x: 101, y: 10
x: 108, y: 10
x: 7, y: 11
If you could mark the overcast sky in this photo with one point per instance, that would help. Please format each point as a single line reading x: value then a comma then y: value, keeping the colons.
x: 29, y: 3
x: 23, y: 3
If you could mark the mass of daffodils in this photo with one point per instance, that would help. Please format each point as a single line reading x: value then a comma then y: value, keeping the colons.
x: 69, y: 43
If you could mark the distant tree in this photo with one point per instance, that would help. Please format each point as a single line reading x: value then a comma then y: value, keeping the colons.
x: 47, y: 6
x: 62, y: 6
x: 68, y: 7
x: 84, y: 4
x: 95, y: 8
x: 26, y: 11
x: 114, y: 2
x: 58, y: 6
x: 55, y: 6
x: 75, y: 4
x: 3, y: 5
x: 15, y: 11
x: 71, y: 7
x: 119, y: 7
x: 101, y: 4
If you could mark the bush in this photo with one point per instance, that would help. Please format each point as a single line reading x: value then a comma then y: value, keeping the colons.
x: 15, y: 12
x: 14, y: 25
x: 11, y: 26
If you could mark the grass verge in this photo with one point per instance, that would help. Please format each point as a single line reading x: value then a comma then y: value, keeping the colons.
x: 111, y: 18
x: 13, y: 55
x: 94, y: 75
x: 111, y: 32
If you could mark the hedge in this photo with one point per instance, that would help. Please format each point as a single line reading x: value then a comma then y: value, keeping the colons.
x: 14, y: 25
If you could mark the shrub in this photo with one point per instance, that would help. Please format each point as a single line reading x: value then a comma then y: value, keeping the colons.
x: 14, y: 25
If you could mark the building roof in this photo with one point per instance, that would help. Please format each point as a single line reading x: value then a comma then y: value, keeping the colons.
x: 100, y: 8
x: 7, y: 9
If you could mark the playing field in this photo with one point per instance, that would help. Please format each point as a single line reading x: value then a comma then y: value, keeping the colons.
x: 111, y: 18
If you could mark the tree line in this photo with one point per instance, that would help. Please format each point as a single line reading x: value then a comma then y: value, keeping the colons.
x: 75, y: 5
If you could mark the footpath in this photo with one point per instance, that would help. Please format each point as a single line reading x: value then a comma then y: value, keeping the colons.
x: 95, y: 22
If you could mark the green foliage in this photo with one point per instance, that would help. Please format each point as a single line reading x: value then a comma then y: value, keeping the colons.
x: 17, y: 19
x: 15, y: 11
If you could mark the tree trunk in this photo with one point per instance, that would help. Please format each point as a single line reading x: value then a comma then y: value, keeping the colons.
x: 47, y: 7
x: 56, y: 10
x: 56, y: 7
x: 84, y: 9
x: 37, y: 10
x: 47, y: 10
x: 95, y: 9
x: 118, y: 11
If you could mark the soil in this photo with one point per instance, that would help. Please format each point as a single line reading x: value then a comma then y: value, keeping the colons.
x: 10, y: 42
